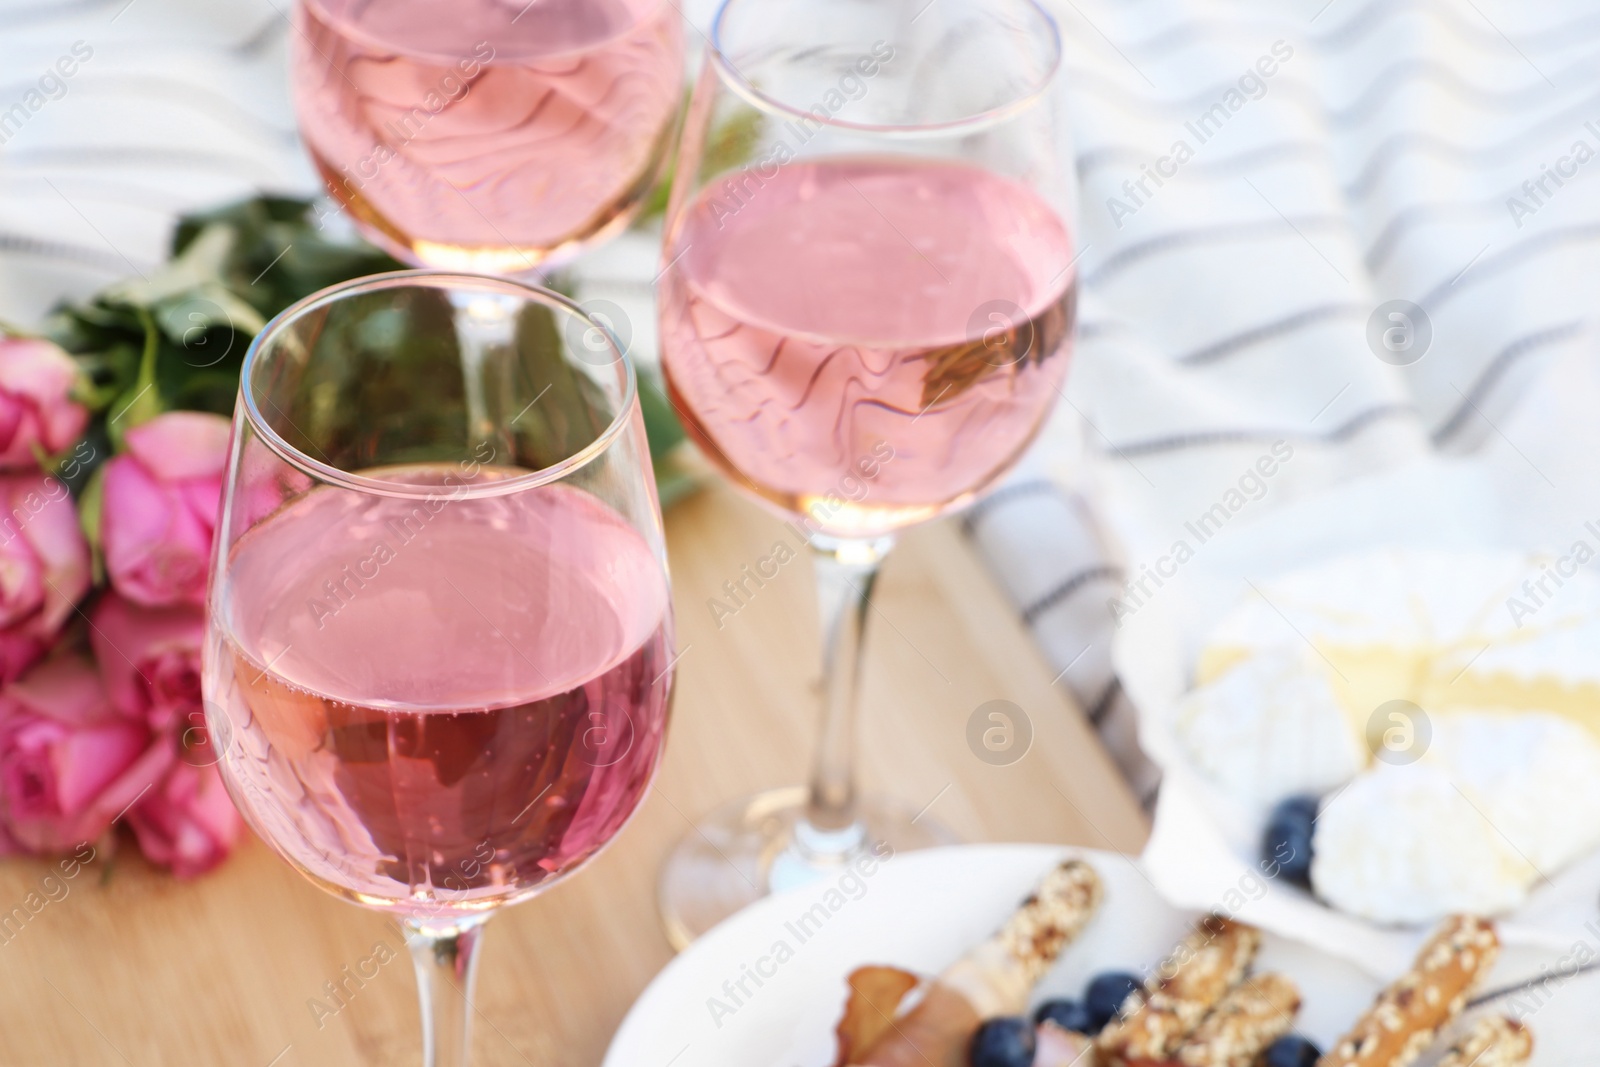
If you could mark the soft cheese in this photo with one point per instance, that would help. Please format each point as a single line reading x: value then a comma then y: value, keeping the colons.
x: 1433, y: 628
x: 1499, y: 783
x: 1499, y: 801
x: 1271, y: 728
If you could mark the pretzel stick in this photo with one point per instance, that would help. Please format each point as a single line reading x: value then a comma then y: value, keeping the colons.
x: 1493, y: 1041
x: 1253, y: 1015
x: 1407, y: 1016
x: 993, y: 978
x: 1154, y: 1021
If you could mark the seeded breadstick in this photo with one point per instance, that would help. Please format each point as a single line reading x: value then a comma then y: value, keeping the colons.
x: 993, y: 978
x: 997, y: 976
x: 1493, y: 1041
x: 1206, y: 964
x: 1253, y: 1015
x: 1407, y: 1016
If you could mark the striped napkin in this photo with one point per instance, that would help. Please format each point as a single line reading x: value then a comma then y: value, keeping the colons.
x: 1266, y: 186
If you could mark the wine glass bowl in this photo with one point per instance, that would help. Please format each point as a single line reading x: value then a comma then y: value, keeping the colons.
x: 439, y: 635
x: 877, y: 288
x: 970, y: 67
x: 496, y: 136
x: 867, y: 302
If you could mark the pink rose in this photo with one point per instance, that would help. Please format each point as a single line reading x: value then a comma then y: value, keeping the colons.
x: 188, y: 823
x: 36, y: 380
x: 19, y: 650
x: 44, y: 567
x: 160, y: 508
x: 150, y: 660
x: 69, y: 764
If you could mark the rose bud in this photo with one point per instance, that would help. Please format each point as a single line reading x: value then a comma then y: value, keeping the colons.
x: 69, y: 764
x: 150, y: 660
x: 36, y: 406
x: 44, y: 567
x: 160, y: 507
x: 188, y: 822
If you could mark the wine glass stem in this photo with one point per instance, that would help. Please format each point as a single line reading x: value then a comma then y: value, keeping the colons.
x: 446, y: 960
x: 846, y: 571
x: 486, y: 329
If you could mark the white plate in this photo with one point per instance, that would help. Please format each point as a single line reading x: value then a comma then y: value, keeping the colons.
x: 921, y: 911
x: 1204, y: 839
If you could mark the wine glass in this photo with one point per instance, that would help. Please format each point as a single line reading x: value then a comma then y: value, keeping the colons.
x: 497, y: 136
x: 866, y: 307
x: 439, y: 639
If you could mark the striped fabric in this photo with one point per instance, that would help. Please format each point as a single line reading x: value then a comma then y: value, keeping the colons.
x: 1261, y: 181
x: 171, y: 105
x: 1435, y: 152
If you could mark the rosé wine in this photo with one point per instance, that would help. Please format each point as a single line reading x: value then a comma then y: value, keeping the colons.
x: 438, y: 705
x: 488, y: 135
x: 890, y: 324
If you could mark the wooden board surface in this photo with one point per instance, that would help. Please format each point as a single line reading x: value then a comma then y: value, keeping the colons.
x: 127, y: 966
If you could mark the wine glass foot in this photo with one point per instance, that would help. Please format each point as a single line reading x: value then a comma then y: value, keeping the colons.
x: 748, y: 849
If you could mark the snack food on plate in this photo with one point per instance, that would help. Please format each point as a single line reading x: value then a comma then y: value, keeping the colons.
x: 993, y: 979
x: 1493, y: 1041
x: 1408, y: 1015
x: 1253, y: 1015
x: 1200, y: 1007
x: 1208, y: 963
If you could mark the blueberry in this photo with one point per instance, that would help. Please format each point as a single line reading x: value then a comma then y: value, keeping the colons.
x: 1105, y: 997
x: 1004, y: 1043
x: 1067, y: 1014
x: 1292, y: 1051
x: 1286, y: 846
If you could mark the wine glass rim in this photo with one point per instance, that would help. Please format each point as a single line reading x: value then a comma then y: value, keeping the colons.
x: 653, y: 10
x: 740, y: 84
x: 437, y: 279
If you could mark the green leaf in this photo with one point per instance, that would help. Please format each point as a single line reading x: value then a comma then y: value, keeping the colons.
x: 730, y: 144
x: 91, y: 502
x: 188, y: 316
x: 248, y: 216
x: 107, y: 374
x: 142, y: 401
x: 655, y: 205
x: 177, y: 338
x: 201, y: 263
x: 76, y: 464
x: 674, y: 482
x: 733, y: 142
x: 661, y: 423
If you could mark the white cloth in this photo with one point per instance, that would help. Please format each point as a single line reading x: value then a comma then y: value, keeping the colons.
x: 1230, y: 309
x: 179, y: 105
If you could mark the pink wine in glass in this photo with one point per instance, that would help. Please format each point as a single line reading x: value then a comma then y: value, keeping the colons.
x: 888, y: 325
x: 437, y: 705
x: 488, y: 135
